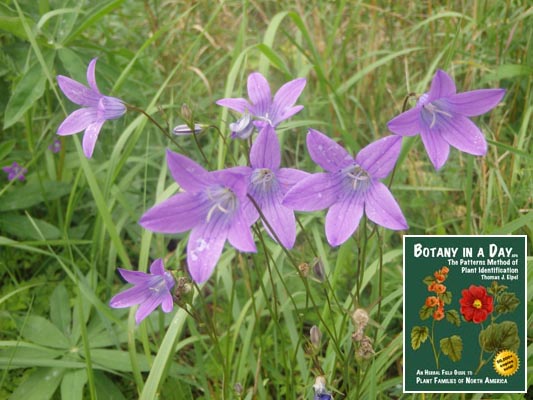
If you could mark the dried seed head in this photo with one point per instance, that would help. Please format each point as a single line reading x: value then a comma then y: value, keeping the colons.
x: 303, y: 268
x: 186, y: 112
x: 365, y: 350
x: 360, y: 318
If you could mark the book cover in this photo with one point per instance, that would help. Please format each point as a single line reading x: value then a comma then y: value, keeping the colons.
x: 465, y: 314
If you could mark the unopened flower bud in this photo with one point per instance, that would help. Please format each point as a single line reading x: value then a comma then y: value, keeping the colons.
x: 238, y: 389
x: 185, y: 130
x: 315, y: 336
x: 318, y: 269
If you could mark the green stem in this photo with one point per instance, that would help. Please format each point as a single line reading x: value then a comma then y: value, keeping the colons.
x: 432, y: 340
x: 157, y: 124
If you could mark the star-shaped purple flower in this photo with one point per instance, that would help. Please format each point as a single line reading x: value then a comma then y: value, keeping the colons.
x: 96, y: 108
x: 264, y: 109
x: 268, y: 184
x: 149, y: 290
x: 349, y: 187
x: 441, y: 118
x: 15, y: 171
x: 212, y: 207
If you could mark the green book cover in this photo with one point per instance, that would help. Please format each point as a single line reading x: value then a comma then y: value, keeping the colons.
x: 464, y: 314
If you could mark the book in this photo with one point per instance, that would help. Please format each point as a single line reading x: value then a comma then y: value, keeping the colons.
x: 464, y: 314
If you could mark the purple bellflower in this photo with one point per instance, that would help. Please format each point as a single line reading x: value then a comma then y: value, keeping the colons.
x: 15, y: 171
x: 268, y: 184
x: 149, y: 290
x: 349, y: 186
x: 262, y: 108
x: 96, y: 109
x: 212, y: 207
x: 441, y: 118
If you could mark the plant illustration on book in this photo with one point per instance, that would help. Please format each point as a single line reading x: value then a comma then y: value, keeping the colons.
x: 433, y: 308
x: 477, y: 305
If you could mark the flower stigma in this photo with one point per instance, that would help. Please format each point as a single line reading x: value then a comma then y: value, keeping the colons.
x: 263, y: 178
x: 356, y: 177
x: 223, y: 200
x: 434, y: 109
x: 477, y: 304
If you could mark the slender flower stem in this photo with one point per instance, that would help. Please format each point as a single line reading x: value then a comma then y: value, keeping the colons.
x: 432, y: 340
x: 157, y: 124
x: 200, y: 149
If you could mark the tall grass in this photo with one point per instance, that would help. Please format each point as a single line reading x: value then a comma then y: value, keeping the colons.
x: 245, y: 333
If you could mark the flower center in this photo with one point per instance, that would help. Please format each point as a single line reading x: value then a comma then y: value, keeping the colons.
x: 263, y: 179
x: 265, y: 118
x: 431, y: 110
x: 477, y: 304
x: 159, y: 284
x: 356, y: 177
x: 223, y: 201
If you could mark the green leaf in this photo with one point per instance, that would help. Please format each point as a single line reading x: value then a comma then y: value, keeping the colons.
x: 29, y: 89
x: 73, y: 64
x: 41, y: 385
x: 419, y: 335
x: 428, y: 280
x: 508, y: 71
x: 22, y: 227
x: 502, y: 336
x: 446, y: 297
x: 117, y: 360
x: 32, y: 194
x: 6, y: 148
x: 72, y: 385
x: 105, y: 388
x: 452, y: 347
x: 453, y: 317
x: 39, y: 330
x: 12, y: 25
x: 176, y: 389
x: 425, y: 312
x: 495, y: 288
x: 507, y: 302
x: 60, y: 309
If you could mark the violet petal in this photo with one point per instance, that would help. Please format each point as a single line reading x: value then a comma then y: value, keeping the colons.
x: 343, y: 218
x: 327, y: 153
x: 475, y: 102
x: 77, y: 121
x: 178, y: 213
x: 382, y: 209
x: 265, y: 152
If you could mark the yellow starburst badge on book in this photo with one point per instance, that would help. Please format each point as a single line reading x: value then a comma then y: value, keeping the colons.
x: 506, y: 363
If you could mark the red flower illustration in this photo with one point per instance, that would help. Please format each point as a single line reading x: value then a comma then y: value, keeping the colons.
x: 476, y: 304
